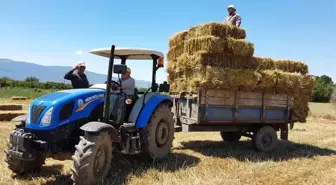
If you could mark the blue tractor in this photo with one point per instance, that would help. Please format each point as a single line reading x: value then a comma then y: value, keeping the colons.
x: 93, y: 123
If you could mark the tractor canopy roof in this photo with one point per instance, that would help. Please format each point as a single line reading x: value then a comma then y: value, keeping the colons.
x: 132, y: 53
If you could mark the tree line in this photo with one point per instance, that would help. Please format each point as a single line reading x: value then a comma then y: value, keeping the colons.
x: 324, y: 87
x: 33, y: 82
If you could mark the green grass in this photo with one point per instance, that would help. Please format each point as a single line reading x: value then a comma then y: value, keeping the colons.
x: 26, y: 92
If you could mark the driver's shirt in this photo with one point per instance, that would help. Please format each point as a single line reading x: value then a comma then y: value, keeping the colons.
x: 128, y: 86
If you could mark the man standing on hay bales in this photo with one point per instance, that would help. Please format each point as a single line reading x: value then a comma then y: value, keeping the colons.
x: 77, y: 76
x: 233, y: 18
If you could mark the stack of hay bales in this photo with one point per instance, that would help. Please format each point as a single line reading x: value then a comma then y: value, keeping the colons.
x: 217, y: 56
x: 10, y: 111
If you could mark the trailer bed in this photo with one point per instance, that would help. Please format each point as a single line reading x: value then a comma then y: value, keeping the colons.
x: 221, y: 107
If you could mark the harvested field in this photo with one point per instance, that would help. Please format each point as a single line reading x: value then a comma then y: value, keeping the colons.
x: 7, y: 116
x: 9, y: 107
x: 309, y: 158
x: 203, y: 159
x: 19, y: 98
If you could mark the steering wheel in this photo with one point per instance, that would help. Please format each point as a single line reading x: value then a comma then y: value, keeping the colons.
x: 115, y: 85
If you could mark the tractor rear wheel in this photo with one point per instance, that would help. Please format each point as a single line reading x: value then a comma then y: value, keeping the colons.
x: 157, y: 137
x: 92, y: 159
x: 230, y: 136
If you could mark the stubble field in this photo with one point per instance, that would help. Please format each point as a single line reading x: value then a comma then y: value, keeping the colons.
x: 203, y: 159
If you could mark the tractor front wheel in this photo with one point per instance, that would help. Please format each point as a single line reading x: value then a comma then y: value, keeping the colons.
x: 19, y: 166
x: 157, y: 137
x: 92, y: 159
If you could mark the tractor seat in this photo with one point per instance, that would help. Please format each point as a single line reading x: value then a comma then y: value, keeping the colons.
x: 136, y: 95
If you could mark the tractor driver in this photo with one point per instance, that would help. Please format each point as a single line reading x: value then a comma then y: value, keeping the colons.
x: 127, y: 83
x: 128, y: 86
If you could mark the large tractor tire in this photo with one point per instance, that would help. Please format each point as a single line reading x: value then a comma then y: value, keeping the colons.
x: 230, y: 136
x: 157, y: 137
x: 265, y: 139
x: 92, y: 159
x: 19, y: 166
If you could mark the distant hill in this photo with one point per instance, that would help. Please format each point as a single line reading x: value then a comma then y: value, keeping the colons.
x: 19, y: 70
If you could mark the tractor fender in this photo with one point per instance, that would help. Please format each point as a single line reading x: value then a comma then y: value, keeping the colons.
x: 96, y: 126
x: 147, y: 110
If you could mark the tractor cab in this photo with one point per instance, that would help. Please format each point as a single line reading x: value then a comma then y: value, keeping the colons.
x: 117, y: 96
x: 125, y: 54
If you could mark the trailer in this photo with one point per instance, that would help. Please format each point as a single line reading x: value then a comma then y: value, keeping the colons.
x: 235, y: 114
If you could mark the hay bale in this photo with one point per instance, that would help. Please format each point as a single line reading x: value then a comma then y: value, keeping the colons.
x: 218, y: 30
x: 270, y: 81
x: 175, y: 52
x: 19, y: 98
x: 178, y: 38
x: 201, y: 59
x: 211, y: 44
x: 283, y: 65
x: 9, y: 107
x: 8, y: 116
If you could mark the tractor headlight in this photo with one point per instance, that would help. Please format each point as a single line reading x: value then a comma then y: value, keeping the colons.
x: 46, y: 119
x: 28, y: 115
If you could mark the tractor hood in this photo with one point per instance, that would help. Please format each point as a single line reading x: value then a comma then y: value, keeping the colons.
x: 66, y: 95
x: 55, y: 109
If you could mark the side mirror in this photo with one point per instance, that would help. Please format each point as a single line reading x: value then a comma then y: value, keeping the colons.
x: 119, y: 68
x: 165, y: 87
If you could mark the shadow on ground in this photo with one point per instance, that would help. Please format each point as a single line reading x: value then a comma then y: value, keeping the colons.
x: 46, y: 172
x: 243, y: 151
x: 123, y: 166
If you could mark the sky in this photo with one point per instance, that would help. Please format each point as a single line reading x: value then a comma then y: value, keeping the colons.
x: 60, y: 33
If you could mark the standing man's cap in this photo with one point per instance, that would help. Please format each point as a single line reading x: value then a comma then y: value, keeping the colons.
x: 232, y: 6
x: 81, y: 64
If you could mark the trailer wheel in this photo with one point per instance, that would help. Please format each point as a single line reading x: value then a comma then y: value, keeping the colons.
x: 265, y: 139
x: 230, y: 136
x: 157, y: 137
x: 19, y: 166
x: 92, y: 159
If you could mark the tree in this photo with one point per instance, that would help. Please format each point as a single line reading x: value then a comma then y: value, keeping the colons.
x: 32, y: 79
x: 323, y: 89
x: 6, y: 82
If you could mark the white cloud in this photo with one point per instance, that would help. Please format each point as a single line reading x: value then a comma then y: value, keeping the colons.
x: 79, y: 52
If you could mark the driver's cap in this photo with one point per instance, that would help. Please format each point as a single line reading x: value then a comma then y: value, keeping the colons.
x: 81, y: 64
x: 128, y: 70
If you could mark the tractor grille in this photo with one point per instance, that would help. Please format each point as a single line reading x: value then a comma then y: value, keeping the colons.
x: 36, y: 112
